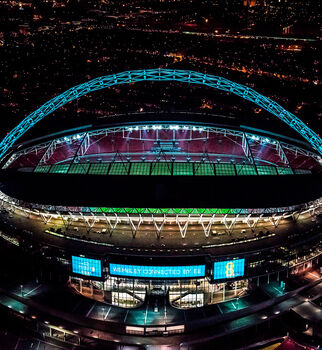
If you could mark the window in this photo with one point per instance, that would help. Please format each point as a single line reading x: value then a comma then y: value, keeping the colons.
x: 266, y: 170
x: 81, y: 168
x: 244, y: 169
x: 119, y: 168
x: 204, y: 169
x: 303, y: 171
x: 284, y: 171
x: 225, y: 169
x: 59, y: 168
x: 182, y: 169
x: 140, y: 169
x: 99, y: 169
x: 42, y: 169
x: 161, y: 168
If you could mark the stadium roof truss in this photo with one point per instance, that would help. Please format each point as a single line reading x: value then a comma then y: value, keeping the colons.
x: 184, y: 76
x: 135, y: 217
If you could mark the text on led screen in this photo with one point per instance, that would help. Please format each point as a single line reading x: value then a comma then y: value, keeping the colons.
x: 157, y: 271
x: 86, y: 266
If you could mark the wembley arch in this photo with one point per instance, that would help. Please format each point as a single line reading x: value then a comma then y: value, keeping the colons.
x: 185, y: 76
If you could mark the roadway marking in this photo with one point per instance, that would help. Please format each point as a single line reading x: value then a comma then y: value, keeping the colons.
x: 108, y: 311
x: 90, y: 310
x: 127, y: 312
x: 146, y: 312
x: 17, y: 344
x: 277, y: 290
x: 234, y: 305
x: 25, y: 294
x: 220, y: 309
x: 316, y: 277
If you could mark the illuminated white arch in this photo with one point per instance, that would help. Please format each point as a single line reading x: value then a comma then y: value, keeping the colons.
x: 184, y: 76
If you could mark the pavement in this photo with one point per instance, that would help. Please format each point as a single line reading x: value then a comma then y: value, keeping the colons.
x: 65, y: 309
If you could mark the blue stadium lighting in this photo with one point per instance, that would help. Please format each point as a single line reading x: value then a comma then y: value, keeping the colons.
x: 229, y: 269
x: 86, y: 266
x: 183, y: 76
x: 157, y: 271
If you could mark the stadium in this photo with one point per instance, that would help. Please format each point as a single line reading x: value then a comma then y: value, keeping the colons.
x: 165, y: 226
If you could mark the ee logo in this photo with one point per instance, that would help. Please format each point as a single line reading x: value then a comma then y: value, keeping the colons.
x: 230, y: 269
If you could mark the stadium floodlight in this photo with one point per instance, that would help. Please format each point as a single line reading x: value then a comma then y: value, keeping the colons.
x: 183, y: 76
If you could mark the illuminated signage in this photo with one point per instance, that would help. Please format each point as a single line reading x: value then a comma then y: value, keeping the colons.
x: 157, y: 271
x: 86, y: 266
x: 229, y: 269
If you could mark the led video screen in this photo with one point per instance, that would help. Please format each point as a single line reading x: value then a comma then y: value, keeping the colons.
x: 229, y: 269
x: 86, y: 266
x: 157, y: 271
